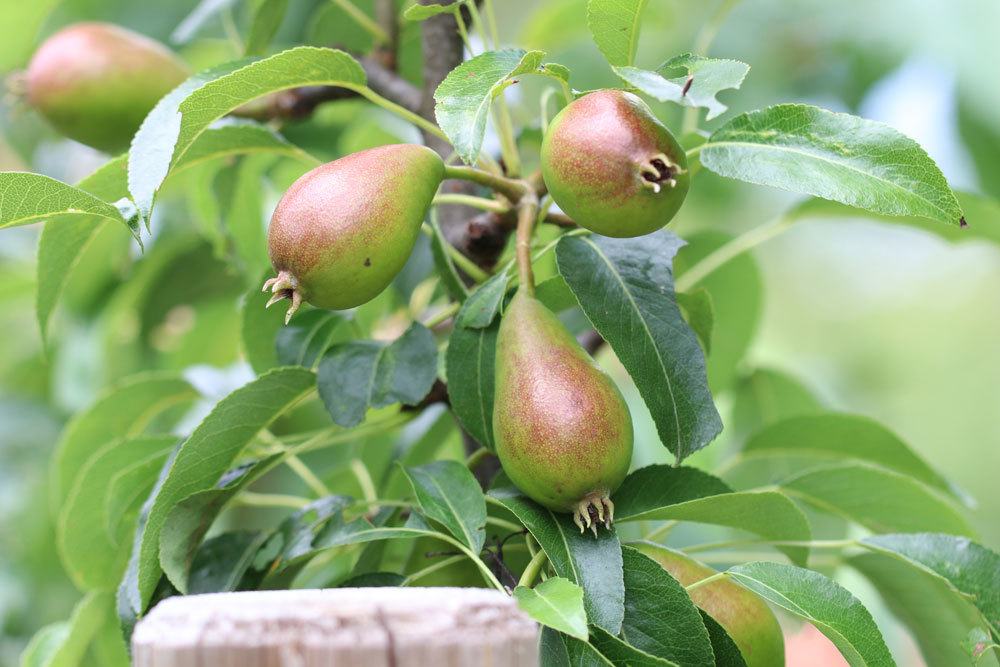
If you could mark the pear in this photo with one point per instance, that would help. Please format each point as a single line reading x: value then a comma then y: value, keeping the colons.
x: 562, y: 429
x: 95, y: 82
x: 743, y: 614
x: 342, y: 232
x: 612, y: 166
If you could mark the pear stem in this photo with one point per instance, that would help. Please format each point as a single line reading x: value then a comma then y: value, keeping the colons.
x: 510, y: 188
x: 532, y: 569
x: 527, y: 211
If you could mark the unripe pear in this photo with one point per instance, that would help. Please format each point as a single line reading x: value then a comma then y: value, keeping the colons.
x: 562, y: 429
x: 95, y: 82
x: 744, y: 615
x: 344, y: 230
x: 612, y: 166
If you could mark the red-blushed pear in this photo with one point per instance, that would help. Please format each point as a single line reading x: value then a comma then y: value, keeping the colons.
x: 612, y: 166
x: 743, y: 614
x: 344, y: 230
x: 563, y: 431
x: 95, y: 82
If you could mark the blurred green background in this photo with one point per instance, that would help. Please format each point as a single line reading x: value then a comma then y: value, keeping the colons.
x: 882, y: 320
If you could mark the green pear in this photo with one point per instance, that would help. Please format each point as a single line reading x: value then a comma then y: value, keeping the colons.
x: 95, y: 82
x: 562, y: 429
x: 612, y: 166
x: 344, y: 230
x: 743, y: 614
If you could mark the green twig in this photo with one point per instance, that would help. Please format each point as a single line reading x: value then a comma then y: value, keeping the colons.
x: 463, y: 262
x: 364, y: 479
x: 251, y: 499
x: 402, y: 112
x: 431, y: 569
x: 442, y: 315
x: 527, y: 210
x: 306, y: 475
x: 532, y: 569
x: 477, y: 457
x: 706, y: 580
x: 510, y: 188
x: 363, y: 20
x: 482, y: 203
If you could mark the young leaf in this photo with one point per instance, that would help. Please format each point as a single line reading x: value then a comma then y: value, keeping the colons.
x: 265, y: 25
x: 592, y: 562
x: 625, y: 287
x: 470, y: 366
x: 64, y: 644
x: 420, y: 12
x: 27, y: 198
x: 881, y: 500
x: 839, y: 436
x: 123, y: 410
x: 556, y: 603
x: 304, y: 340
x: 614, y: 25
x: 200, y: 461
x: 936, y: 617
x: 660, y: 618
x: 964, y: 565
x: 222, y: 562
x: 92, y: 560
x: 463, y: 98
x: 835, y: 156
x: 449, y: 494
x: 355, y: 376
x: 661, y: 492
x: 617, y: 652
x: 484, y: 304
x: 708, y: 77
x: 190, y: 519
x: 824, y: 603
x: 187, y: 111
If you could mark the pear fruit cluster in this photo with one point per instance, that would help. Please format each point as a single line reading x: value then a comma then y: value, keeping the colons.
x: 743, y: 614
x: 95, y: 82
x: 342, y: 232
x: 612, y: 166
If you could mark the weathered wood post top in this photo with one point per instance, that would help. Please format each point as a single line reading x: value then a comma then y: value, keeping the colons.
x: 373, y: 627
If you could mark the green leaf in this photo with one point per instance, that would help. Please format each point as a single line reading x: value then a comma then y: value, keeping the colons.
x: 765, y: 396
x: 470, y: 367
x: 661, y: 492
x: 556, y: 603
x: 307, y: 337
x: 92, y: 560
x: 824, y: 603
x: 259, y: 327
x: 881, y: 500
x: 64, y: 644
x: 266, y: 21
x: 463, y: 98
x: 699, y: 314
x: 221, y: 563
x: 936, y: 617
x: 128, y: 488
x: 727, y: 653
x: 449, y: 494
x: 240, y: 201
x: 967, y: 567
x: 423, y: 12
x: 292, y: 542
x: 592, y: 562
x: 559, y: 650
x: 355, y: 376
x: 26, y: 197
x: 374, y: 580
x: 202, y: 459
x: 708, y: 76
x: 660, y: 618
x: 840, y: 436
x: 124, y: 410
x: 443, y: 263
x: 625, y: 287
x: 185, y: 113
x: 484, y: 304
x: 188, y: 521
x: 835, y: 156
x: 614, y: 25
x: 619, y: 653
x: 23, y: 21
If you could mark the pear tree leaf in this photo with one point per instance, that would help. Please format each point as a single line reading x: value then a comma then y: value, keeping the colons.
x: 699, y: 313
x: 265, y: 24
x: 625, y: 288
x: 420, y: 12
x: 615, y: 651
x: 708, y: 77
x: 448, y: 493
x: 727, y: 653
x: 556, y: 603
x: 360, y: 374
x: 556, y: 649
x: 221, y: 563
x: 64, y: 644
x: 470, y: 369
x: 127, y: 490
x: 824, y: 603
x: 443, y: 263
x: 26, y: 198
x: 851, y: 160
x: 463, y: 99
x: 304, y: 340
x: 614, y: 26
x: 484, y: 304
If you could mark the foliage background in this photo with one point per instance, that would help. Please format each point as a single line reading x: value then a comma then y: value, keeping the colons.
x: 880, y: 320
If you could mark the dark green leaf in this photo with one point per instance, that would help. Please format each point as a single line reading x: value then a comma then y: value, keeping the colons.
x: 708, y: 76
x: 660, y: 618
x: 307, y: 337
x: 556, y: 603
x: 558, y: 650
x: 362, y: 374
x: 448, y: 493
x: 727, y: 653
x: 222, y: 562
x: 292, y: 543
x: 881, y: 500
x: 470, y: 369
x: 484, y: 304
x: 463, y: 98
x: 824, y: 603
x: 625, y: 287
x: 374, y: 580
x: 966, y: 566
x: 835, y: 156
x: 620, y: 653
x: 614, y: 25
x: 592, y: 562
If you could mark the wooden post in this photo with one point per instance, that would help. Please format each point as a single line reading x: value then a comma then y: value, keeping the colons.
x: 370, y: 627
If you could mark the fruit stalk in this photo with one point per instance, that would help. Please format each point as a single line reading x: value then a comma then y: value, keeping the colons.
x: 527, y: 211
x: 510, y: 188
